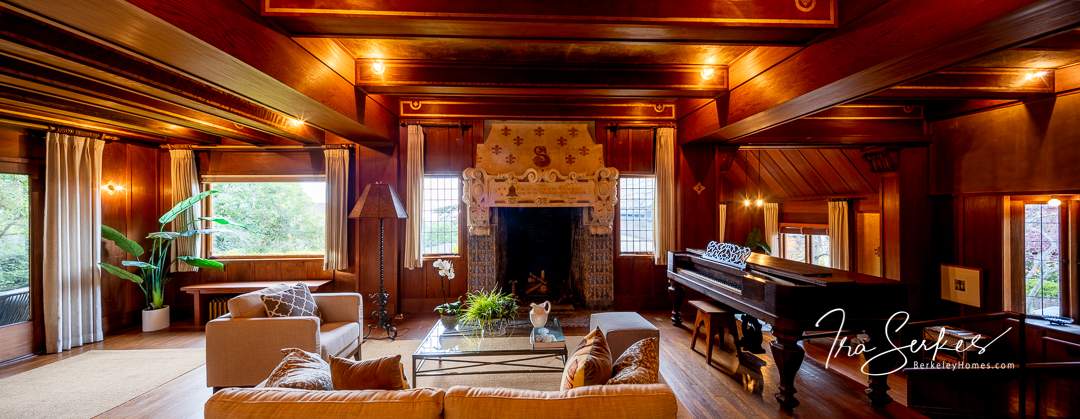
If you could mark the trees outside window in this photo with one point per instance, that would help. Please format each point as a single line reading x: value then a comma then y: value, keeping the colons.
x: 278, y: 218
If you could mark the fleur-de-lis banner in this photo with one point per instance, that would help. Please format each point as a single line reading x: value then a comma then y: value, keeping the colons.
x: 513, y: 147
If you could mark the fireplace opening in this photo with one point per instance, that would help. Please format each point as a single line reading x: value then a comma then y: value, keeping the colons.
x: 536, y: 253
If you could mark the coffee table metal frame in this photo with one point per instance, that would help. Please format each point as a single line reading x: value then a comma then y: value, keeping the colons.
x: 524, y: 359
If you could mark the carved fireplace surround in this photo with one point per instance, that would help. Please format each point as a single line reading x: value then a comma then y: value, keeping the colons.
x: 537, y: 164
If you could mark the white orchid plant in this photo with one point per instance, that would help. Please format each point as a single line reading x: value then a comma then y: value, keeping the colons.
x: 445, y: 269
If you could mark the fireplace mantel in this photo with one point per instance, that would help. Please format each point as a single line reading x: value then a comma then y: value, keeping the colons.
x: 543, y: 164
x: 541, y: 188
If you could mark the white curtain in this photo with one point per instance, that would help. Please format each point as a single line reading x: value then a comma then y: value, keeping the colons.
x: 185, y: 184
x: 664, y: 221
x: 72, y: 242
x: 838, y: 235
x: 414, y: 196
x: 337, y: 192
x: 721, y: 222
x: 772, y: 227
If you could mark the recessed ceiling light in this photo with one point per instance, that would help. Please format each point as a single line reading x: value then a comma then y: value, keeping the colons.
x: 1054, y: 202
x: 296, y: 122
x: 378, y: 67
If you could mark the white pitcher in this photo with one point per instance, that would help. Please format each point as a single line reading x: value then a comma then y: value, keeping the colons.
x: 539, y: 314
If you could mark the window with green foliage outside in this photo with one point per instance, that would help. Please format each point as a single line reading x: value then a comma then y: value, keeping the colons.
x: 14, y: 248
x: 275, y: 218
x: 439, y: 225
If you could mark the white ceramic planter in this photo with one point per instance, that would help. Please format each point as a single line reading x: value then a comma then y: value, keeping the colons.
x: 154, y: 320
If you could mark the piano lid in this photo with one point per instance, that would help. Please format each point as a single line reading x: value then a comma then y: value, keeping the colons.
x: 801, y: 272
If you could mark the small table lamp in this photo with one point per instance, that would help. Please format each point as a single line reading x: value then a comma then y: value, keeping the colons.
x: 379, y: 201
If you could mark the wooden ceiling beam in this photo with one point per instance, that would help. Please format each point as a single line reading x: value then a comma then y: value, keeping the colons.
x: 894, y: 43
x: 403, y: 77
x: 224, y: 44
x: 756, y: 22
x: 984, y: 83
x: 847, y: 125
x: 28, y: 39
x: 29, y: 103
x: 51, y: 81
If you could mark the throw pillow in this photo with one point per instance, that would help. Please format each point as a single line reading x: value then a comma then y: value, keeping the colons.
x: 590, y: 364
x: 301, y: 369
x: 384, y: 373
x: 639, y: 364
x: 295, y: 300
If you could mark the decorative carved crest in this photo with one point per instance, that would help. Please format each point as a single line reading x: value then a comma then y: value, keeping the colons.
x: 541, y: 188
x: 727, y: 254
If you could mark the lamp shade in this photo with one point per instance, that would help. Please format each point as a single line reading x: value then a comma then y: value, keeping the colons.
x: 378, y: 201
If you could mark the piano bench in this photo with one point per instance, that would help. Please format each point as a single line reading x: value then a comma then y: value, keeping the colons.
x: 622, y: 329
x: 714, y: 320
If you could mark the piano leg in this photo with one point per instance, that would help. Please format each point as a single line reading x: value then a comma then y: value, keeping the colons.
x: 788, y: 356
x: 676, y: 293
x: 878, y: 387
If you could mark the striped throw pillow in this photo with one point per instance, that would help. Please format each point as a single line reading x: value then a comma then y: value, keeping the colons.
x: 590, y: 364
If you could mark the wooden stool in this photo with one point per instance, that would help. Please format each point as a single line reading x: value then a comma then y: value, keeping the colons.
x: 714, y: 320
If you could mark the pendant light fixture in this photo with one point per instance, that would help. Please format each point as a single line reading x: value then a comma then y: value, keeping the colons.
x: 759, y: 200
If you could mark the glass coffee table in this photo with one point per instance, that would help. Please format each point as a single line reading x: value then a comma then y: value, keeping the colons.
x: 464, y: 350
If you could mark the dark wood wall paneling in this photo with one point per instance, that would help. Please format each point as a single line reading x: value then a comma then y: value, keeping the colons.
x: 449, y: 150
x: 978, y: 159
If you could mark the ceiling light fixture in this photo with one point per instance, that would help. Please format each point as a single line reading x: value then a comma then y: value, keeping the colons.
x: 378, y: 67
x: 759, y: 202
x: 1054, y: 202
x: 707, y: 73
x: 296, y: 122
x: 746, y: 202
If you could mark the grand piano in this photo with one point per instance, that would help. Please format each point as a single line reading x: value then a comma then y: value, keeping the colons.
x: 791, y: 296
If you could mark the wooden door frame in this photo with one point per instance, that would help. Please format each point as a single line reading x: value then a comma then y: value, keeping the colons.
x: 35, y: 169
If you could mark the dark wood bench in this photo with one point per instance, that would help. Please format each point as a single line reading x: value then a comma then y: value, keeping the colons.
x: 235, y: 288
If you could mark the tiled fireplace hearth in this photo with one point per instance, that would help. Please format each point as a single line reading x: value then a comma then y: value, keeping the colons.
x: 542, y: 165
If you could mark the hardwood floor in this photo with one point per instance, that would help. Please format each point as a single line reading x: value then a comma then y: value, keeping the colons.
x: 703, y: 391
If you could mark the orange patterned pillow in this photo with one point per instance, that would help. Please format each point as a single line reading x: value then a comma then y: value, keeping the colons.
x: 639, y: 364
x: 590, y: 364
x: 384, y: 373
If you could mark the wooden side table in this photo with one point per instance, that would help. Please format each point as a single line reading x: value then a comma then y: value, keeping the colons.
x: 236, y: 288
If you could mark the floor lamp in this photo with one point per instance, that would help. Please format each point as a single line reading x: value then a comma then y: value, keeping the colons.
x: 380, y: 202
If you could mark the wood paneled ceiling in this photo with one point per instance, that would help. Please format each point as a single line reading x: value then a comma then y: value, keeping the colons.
x: 800, y: 173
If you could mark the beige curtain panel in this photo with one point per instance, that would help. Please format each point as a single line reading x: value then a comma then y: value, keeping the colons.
x: 664, y: 221
x: 414, y: 197
x: 72, y: 244
x: 336, y: 226
x: 721, y: 222
x: 772, y: 227
x: 185, y: 184
x: 838, y: 235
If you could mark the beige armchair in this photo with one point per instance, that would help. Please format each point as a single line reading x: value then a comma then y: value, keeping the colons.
x: 242, y: 347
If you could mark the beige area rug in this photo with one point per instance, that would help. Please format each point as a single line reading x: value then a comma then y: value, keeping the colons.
x: 405, y: 347
x: 93, y: 382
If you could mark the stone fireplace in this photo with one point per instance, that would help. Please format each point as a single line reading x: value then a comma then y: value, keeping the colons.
x: 540, y: 207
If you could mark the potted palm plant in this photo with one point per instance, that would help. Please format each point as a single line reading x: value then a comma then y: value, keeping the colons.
x: 153, y: 271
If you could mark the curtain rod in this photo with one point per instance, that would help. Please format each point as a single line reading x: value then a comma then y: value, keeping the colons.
x: 438, y: 125
x: 254, y: 147
x: 61, y: 129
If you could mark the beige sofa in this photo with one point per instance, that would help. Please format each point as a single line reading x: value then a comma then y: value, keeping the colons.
x: 615, y: 401
x: 243, y: 346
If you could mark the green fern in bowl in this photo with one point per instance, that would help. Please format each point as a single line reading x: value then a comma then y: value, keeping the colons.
x: 485, y: 308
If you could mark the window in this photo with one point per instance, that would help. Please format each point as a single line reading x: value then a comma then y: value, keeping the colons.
x: 277, y: 218
x: 439, y: 229
x: 805, y: 244
x: 1042, y: 259
x: 14, y: 248
x: 637, y: 206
